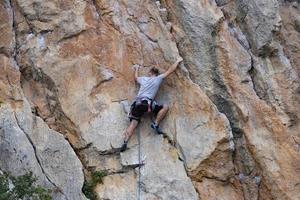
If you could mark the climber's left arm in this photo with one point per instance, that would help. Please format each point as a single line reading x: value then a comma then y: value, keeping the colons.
x: 172, y: 68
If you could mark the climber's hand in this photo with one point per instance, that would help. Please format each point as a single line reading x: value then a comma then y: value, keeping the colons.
x: 136, y: 66
x: 179, y: 59
x: 136, y: 73
x: 173, y: 67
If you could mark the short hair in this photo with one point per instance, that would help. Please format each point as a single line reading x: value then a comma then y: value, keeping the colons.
x: 154, y: 71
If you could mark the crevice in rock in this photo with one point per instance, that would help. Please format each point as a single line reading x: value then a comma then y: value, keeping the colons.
x: 14, y: 55
x: 5, y: 52
x: 54, y: 115
x: 102, y: 13
x: 147, y: 36
x: 62, y: 123
x: 56, y: 119
x: 68, y: 37
x: 219, y: 84
x: 111, y: 151
x: 216, y: 160
x: 242, y: 157
x: 216, y: 179
x: 14, y: 28
x: 221, y: 98
x: 36, y: 156
x: 14, y: 4
x: 245, y: 163
x: 94, y: 3
x: 243, y: 41
x: 253, y: 73
x: 96, y: 88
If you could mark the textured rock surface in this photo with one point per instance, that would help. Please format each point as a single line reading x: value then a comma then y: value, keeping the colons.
x: 236, y: 85
x: 27, y: 144
x: 232, y: 131
x: 260, y: 20
x: 212, y: 189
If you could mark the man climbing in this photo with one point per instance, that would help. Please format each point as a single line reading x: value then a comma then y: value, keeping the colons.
x: 144, y: 102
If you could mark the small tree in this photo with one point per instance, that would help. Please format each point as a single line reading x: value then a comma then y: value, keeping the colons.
x: 21, y: 187
x: 89, y: 186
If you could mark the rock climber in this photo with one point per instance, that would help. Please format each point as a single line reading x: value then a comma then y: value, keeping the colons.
x: 144, y: 102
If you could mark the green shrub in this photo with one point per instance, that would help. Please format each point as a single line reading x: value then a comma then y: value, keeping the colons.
x: 89, y: 186
x: 23, y: 188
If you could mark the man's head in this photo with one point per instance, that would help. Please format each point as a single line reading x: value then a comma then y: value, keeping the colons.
x: 153, y: 71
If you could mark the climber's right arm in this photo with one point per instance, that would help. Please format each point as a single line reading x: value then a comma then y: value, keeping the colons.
x: 136, y: 73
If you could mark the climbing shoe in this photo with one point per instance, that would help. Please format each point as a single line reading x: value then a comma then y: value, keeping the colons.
x: 156, y: 128
x: 124, y: 146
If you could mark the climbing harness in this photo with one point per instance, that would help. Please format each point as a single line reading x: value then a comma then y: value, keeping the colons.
x: 141, y: 104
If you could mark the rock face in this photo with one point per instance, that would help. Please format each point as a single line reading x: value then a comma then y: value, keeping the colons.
x: 232, y: 131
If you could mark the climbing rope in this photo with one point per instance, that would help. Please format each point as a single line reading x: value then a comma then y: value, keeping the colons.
x: 139, y: 166
x: 138, y: 196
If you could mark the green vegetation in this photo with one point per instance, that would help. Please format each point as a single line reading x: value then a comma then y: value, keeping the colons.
x: 89, y: 186
x: 23, y: 188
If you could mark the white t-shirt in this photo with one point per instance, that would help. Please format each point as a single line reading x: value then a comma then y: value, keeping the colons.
x: 149, y: 85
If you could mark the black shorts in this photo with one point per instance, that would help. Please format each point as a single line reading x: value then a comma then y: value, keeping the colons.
x: 137, y: 111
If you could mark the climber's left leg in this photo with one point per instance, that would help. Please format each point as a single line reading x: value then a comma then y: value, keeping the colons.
x: 127, y: 133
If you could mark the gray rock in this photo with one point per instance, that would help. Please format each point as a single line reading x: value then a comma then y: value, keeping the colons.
x: 259, y: 19
x: 7, y: 41
x: 17, y: 155
x: 28, y: 144
x: 54, y: 154
x: 163, y: 175
x: 118, y: 187
x: 222, y: 2
x: 271, y: 79
x: 46, y: 16
x: 200, y: 25
x: 198, y: 143
x: 295, y: 4
x: 297, y: 23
